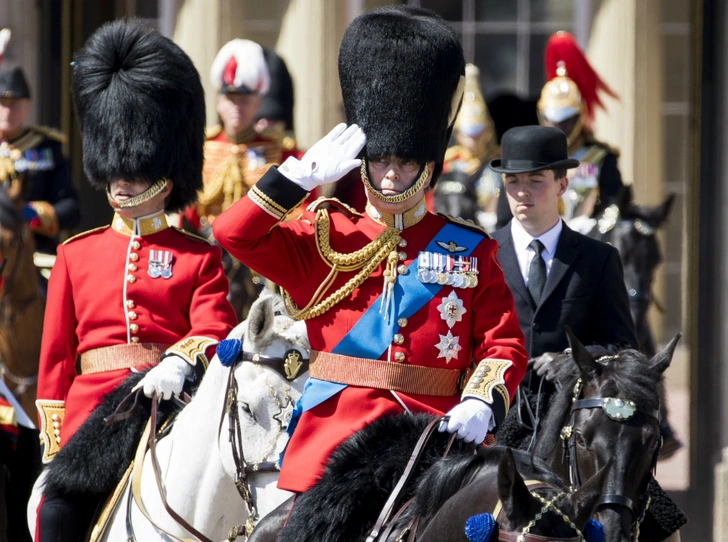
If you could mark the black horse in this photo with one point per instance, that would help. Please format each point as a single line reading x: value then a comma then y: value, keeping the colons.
x: 607, y: 408
x: 363, y: 471
x: 631, y: 229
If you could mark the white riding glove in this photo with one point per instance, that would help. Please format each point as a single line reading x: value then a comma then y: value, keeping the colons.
x: 471, y: 419
x: 328, y: 160
x: 167, y: 378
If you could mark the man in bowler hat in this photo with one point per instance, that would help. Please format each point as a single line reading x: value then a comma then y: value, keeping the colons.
x: 558, y: 277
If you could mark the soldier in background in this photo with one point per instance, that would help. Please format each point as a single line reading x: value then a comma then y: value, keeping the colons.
x: 568, y: 101
x: 468, y: 188
x: 32, y: 166
x: 236, y: 155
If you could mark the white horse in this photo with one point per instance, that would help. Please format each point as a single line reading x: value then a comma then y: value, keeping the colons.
x: 196, y: 462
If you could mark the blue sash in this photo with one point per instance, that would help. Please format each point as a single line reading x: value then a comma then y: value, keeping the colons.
x: 372, y: 334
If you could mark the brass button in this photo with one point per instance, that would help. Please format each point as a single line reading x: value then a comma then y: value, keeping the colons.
x: 135, y: 339
x: 129, y: 304
x: 132, y: 315
x: 131, y: 279
x: 55, y: 417
x: 57, y: 432
x: 402, y: 322
x: 133, y: 256
x: 402, y: 243
x: 402, y: 256
x: 58, y: 440
x: 398, y: 339
x: 136, y: 245
x: 402, y: 269
x: 56, y: 425
x: 399, y: 357
x: 134, y: 328
x: 132, y: 267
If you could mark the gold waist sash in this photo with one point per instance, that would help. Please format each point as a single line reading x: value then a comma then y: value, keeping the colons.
x: 121, y: 356
x: 386, y: 375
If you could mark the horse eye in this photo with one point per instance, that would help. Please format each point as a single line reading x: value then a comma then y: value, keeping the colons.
x: 245, y: 407
x: 580, y: 440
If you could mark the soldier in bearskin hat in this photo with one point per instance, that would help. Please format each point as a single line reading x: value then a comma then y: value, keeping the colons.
x: 32, y: 166
x: 398, y: 301
x: 140, y: 107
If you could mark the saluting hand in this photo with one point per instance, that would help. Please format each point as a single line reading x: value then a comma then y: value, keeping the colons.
x: 328, y: 160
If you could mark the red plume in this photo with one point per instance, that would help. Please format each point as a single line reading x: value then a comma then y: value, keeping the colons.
x: 562, y: 47
x: 228, y: 74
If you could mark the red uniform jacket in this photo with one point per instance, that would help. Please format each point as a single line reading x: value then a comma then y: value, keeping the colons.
x: 101, y: 294
x: 287, y: 254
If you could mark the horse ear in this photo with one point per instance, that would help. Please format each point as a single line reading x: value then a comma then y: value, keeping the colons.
x: 663, y: 358
x: 659, y: 214
x: 261, y: 319
x: 583, y: 359
x: 585, y: 499
x: 512, y: 491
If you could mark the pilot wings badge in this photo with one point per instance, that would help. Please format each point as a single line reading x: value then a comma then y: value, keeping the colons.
x: 451, y: 246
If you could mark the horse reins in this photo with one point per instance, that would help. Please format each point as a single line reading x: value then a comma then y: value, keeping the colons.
x: 618, y: 410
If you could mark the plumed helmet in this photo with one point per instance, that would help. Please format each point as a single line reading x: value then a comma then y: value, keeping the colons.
x: 402, y: 73
x: 573, y: 86
x: 277, y: 104
x: 474, y: 118
x: 240, y: 67
x: 141, y: 110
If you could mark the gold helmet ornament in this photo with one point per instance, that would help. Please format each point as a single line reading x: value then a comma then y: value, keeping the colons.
x: 561, y: 100
x: 474, y: 120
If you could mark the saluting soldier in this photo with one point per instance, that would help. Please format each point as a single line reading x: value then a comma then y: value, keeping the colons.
x: 137, y: 291
x: 32, y: 166
x: 399, y: 303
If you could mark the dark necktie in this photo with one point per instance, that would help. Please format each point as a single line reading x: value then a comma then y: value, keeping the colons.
x: 536, y: 272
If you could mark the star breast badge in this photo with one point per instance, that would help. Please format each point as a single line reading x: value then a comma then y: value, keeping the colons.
x: 449, y: 347
x: 451, y: 246
x: 451, y: 309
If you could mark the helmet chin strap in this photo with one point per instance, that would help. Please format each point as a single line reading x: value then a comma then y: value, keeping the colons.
x: 397, y: 198
x: 148, y: 194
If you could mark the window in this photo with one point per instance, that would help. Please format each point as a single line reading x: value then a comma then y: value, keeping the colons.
x: 506, y: 38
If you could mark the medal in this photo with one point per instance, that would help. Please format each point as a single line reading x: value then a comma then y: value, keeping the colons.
x: 160, y: 264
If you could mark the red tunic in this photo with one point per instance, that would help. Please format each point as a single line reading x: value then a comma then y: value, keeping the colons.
x: 100, y: 294
x: 287, y: 254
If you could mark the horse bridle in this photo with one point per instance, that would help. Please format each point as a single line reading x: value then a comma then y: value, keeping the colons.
x: 235, y: 435
x: 618, y: 410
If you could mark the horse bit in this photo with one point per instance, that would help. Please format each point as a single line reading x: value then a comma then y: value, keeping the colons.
x: 618, y: 410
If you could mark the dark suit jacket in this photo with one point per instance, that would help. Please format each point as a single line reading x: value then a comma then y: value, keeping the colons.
x: 584, y: 290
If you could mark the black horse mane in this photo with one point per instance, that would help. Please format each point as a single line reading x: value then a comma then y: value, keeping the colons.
x: 629, y: 377
x: 445, y: 478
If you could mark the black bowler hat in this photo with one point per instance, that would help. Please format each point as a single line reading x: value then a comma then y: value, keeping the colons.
x: 533, y: 148
x: 13, y: 84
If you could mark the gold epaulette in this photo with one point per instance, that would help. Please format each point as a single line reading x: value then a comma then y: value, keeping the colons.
x: 193, y: 236
x: 335, y: 204
x: 84, y: 234
x: 213, y: 131
x: 50, y: 133
x: 469, y: 224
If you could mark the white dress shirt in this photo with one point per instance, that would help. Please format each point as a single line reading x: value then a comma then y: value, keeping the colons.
x: 524, y: 253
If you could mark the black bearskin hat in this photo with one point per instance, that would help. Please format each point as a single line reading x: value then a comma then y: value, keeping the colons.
x: 402, y: 72
x: 277, y: 104
x: 141, y: 110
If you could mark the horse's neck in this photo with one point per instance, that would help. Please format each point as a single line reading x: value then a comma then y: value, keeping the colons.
x: 20, y: 273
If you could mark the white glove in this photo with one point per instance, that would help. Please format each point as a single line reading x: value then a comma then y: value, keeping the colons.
x: 546, y: 365
x: 167, y: 378
x: 471, y: 419
x: 328, y: 160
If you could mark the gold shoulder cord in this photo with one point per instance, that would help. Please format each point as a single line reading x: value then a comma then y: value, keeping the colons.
x: 367, y: 259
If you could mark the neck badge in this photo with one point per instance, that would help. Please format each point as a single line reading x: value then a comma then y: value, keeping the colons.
x: 160, y: 264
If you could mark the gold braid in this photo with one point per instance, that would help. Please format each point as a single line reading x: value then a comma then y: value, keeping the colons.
x: 367, y: 259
